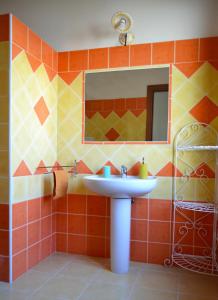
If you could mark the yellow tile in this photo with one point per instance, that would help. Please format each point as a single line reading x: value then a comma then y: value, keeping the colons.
x: 22, y: 67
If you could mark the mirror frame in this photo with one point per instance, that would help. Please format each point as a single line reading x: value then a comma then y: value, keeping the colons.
x: 128, y: 142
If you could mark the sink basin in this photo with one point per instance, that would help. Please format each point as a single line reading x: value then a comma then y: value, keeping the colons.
x: 118, y: 187
x: 121, y: 190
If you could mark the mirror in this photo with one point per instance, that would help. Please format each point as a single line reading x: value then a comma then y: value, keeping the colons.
x: 127, y: 105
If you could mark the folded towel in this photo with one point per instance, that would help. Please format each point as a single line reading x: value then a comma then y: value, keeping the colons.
x: 60, y: 183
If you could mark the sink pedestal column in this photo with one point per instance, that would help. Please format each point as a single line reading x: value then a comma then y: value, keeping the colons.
x: 120, y: 234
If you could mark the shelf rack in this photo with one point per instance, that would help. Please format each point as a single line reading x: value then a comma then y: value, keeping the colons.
x: 195, y: 197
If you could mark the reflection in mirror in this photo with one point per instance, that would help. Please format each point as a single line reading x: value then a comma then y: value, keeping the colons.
x: 127, y: 105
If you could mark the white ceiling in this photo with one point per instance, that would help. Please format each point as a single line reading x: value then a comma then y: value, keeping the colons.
x: 83, y: 24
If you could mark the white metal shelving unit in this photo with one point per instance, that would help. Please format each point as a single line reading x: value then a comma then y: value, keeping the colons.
x: 195, y: 213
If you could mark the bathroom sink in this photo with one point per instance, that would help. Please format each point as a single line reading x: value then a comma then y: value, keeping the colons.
x: 121, y: 190
x: 120, y: 187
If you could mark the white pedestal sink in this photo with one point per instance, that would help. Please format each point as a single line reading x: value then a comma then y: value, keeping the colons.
x: 121, y: 190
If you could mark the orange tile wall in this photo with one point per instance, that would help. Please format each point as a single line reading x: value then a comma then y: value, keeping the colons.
x: 4, y: 208
x: 33, y: 233
x: 79, y: 223
x: 119, y: 106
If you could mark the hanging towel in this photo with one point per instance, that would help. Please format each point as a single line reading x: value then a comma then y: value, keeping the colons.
x: 60, y: 184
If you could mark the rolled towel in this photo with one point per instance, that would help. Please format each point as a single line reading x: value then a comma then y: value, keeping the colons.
x: 60, y: 184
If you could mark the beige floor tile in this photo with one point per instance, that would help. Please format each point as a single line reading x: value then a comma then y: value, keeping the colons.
x: 105, y: 291
x: 61, y: 287
x: 30, y: 281
x: 84, y: 270
x: 11, y: 294
x: 157, y: 280
x: 139, y: 293
x: 52, y: 264
x: 106, y: 276
x: 199, y: 285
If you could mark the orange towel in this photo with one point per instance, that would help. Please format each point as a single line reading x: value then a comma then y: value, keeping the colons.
x: 60, y: 183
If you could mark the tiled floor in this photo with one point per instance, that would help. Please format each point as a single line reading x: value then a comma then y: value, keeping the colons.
x: 62, y: 277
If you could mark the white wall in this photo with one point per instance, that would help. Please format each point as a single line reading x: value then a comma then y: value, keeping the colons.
x: 82, y: 24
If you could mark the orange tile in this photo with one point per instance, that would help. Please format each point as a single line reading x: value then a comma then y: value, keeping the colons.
x: 183, y: 235
x: 69, y: 77
x: 119, y: 104
x: 55, y: 61
x: 82, y: 168
x: 76, y: 244
x: 34, y: 44
x: 22, y: 170
x: 204, y: 111
x: 4, y: 269
x: 47, y: 54
x: 61, y: 242
x: 160, y: 210
x: 98, y: 58
x: 76, y: 224
x: 34, y: 62
x: 107, y: 248
x: 181, y: 213
x: 168, y: 170
x: 139, y: 230
x: 77, y: 204
x: 46, y: 247
x: 33, y: 209
x: 140, y: 209
x: 163, y: 53
x: 187, y: 50
x: 15, y: 51
x: 63, y: 61
x: 33, y: 233
x: 41, y: 110
x: 33, y: 255
x: 130, y: 103
x: 19, y: 214
x: 108, y: 227
x: 4, y: 242
x: 78, y: 60
x: 53, y: 223
x: 140, y: 54
x: 19, y: 264
x: 209, y: 48
x: 157, y: 253
x: 50, y: 72
x: 19, y: 33
x: 61, y: 222
x: 119, y: 56
x: 188, y: 69
x: 4, y: 28
x: 4, y: 216
x: 159, y: 232
x: 204, y: 236
x: 46, y: 206
x: 96, y: 246
x: 53, y: 243
x: 138, y: 251
x: 96, y: 226
x: 46, y: 227
x: 61, y: 204
x: 19, y: 239
x: 108, y: 211
x: 96, y: 205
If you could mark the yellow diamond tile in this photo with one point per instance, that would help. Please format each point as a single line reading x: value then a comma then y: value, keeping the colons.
x: 77, y: 85
x: 178, y: 79
x: 213, y: 94
x: 42, y: 78
x: 205, y: 78
x: 22, y: 67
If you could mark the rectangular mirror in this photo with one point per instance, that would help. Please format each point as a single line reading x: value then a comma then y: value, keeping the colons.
x: 127, y: 105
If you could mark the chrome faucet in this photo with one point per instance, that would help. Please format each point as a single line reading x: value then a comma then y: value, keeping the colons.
x: 123, y: 171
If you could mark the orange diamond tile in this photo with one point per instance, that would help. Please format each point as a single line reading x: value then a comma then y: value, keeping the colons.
x: 169, y: 170
x: 22, y: 170
x: 205, y: 111
x: 112, y: 134
x: 82, y: 168
x: 188, y: 69
x: 203, y: 171
x: 41, y: 169
x: 41, y: 110
x: 34, y: 62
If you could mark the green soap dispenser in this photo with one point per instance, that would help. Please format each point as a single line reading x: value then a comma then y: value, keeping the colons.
x: 143, y: 170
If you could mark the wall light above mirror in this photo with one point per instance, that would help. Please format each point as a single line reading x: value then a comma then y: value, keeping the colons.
x: 129, y: 105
